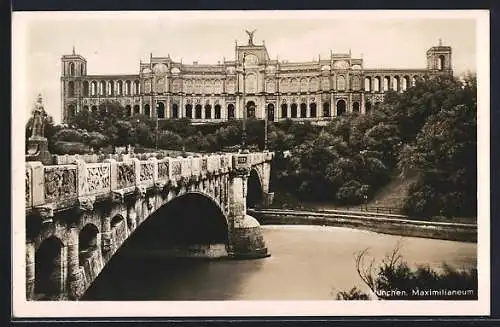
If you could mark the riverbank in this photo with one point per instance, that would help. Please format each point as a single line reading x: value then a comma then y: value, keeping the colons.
x: 385, y: 224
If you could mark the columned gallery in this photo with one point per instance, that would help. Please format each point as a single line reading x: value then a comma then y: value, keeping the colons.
x: 252, y: 81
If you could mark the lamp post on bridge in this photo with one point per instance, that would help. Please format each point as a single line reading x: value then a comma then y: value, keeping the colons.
x: 244, y: 127
x: 266, y: 116
x: 155, y: 103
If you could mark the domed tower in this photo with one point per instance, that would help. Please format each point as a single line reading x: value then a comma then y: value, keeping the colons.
x: 439, y: 59
x: 74, y: 67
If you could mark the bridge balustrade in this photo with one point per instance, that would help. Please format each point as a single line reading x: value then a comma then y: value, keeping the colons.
x: 63, y: 185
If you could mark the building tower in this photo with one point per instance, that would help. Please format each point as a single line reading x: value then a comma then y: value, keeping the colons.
x: 73, y: 68
x: 439, y: 59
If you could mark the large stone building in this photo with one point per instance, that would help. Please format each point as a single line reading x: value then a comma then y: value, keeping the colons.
x: 315, y: 90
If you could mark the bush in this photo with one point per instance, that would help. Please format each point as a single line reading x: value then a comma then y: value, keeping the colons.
x: 394, y: 274
x: 62, y: 147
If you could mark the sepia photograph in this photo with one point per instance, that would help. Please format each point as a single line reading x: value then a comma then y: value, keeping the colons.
x: 250, y: 163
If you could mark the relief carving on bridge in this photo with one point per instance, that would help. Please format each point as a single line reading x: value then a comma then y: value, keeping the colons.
x: 60, y: 183
x: 28, y: 187
x: 98, y: 178
x: 86, y: 204
x: 176, y: 168
x: 163, y: 169
x: 126, y: 175
x: 146, y: 172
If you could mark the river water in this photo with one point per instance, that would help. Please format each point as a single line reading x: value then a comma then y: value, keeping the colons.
x: 306, y: 263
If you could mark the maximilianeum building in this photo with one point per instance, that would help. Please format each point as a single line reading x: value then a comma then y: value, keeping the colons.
x: 314, y: 90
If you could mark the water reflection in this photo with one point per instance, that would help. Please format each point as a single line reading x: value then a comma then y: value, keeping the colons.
x: 307, y: 263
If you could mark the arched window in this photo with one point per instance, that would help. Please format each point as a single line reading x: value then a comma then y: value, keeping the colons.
x: 270, y: 112
x: 208, y: 111
x: 128, y: 110
x: 312, y: 108
x: 71, y: 110
x: 230, y: 111
x: 251, y: 109
x: 102, y: 87
x: 111, y: 86
x: 293, y: 109
x: 341, y: 108
x: 368, y: 84
x: 197, y: 111
x: 395, y: 83
x: 94, y: 108
x: 85, y: 108
x: 137, y: 87
x: 147, y: 110
x: 119, y: 88
x: 405, y: 83
x: 284, y: 110
x: 189, y: 111
x: 82, y: 69
x: 355, y: 107
x: 128, y: 88
x: 386, y: 83
x: 71, y: 89
x: 441, y: 62
x: 376, y: 84
x: 137, y: 109
x: 217, y: 111
x: 341, y: 83
x: 93, y: 88
x: 160, y: 110
x: 175, y: 110
x: 326, y: 109
x: 71, y: 69
x: 85, y: 89
x: 303, y: 110
x: 356, y: 84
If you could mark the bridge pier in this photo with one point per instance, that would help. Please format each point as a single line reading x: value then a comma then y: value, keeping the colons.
x: 30, y: 271
x: 75, y: 274
x: 246, y: 240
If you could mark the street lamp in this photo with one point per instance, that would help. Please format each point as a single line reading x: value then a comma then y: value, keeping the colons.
x: 266, y: 113
x: 156, y: 136
x: 244, y: 128
x: 154, y: 102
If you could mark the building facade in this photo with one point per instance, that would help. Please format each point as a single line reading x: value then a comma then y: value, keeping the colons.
x: 315, y: 90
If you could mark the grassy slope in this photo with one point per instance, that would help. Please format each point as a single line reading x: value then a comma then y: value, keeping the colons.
x: 392, y: 196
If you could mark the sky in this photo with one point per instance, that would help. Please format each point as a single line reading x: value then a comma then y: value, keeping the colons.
x: 115, y: 42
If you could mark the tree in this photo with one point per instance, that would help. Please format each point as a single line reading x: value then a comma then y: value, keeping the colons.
x: 444, y: 156
x: 394, y: 274
x: 96, y: 140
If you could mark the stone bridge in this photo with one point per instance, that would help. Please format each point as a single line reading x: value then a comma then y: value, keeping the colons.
x: 80, y: 213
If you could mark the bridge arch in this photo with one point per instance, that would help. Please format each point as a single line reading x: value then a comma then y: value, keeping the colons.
x: 50, y: 268
x: 191, y: 218
x: 254, y: 189
x: 88, y: 242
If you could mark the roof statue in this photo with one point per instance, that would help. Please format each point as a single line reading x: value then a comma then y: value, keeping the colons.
x: 250, y: 36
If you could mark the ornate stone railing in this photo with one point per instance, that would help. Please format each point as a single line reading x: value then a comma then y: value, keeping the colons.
x: 63, y: 185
